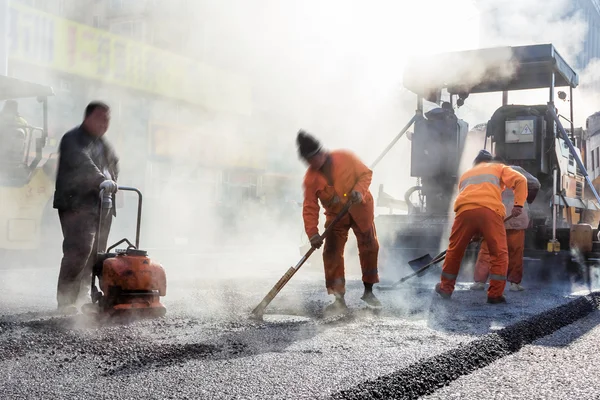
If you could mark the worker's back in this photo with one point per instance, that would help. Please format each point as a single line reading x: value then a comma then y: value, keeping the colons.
x: 482, y: 186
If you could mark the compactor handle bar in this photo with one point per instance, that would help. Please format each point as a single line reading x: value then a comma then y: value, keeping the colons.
x: 139, y: 213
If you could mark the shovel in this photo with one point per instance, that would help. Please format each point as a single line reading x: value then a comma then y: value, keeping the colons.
x: 417, y: 262
x: 259, y: 310
x: 420, y: 262
x: 419, y: 272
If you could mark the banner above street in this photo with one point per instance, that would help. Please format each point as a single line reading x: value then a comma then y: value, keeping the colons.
x: 56, y: 43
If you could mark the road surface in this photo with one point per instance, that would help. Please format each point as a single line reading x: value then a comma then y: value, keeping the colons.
x: 562, y: 365
x: 206, y: 347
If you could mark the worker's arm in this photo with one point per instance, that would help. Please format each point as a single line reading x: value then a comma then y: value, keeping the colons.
x: 113, y: 160
x: 533, y: 185
x: 117, y: 170
x: 21, y: 121
x: 517, y: 182
x: 86, y: 173
x: 363, y: 175
x: 532, y: 181
x: 310, y: 209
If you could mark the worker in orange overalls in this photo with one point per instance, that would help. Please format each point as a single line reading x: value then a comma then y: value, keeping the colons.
x: 515, y: 237
x: 334, y: 178
x: 479, y: 211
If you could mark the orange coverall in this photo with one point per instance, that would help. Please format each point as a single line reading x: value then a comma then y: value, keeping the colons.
x: 479, y: 210
x: 515, y: 239
x: 347, y: 173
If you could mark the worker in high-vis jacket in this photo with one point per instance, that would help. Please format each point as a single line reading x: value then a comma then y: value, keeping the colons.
x: 333, y: 178
x: 480, y: 212
x: 515, y: 237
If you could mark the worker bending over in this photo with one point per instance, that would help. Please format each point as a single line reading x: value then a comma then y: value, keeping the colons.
x: 515, y: 237
x: 334, y: 178
x: 479, y: 211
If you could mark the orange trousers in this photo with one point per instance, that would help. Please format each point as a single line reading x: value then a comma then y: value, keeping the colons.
x: 468, y: 223
x: 333, y: 254
x: 515, y: 240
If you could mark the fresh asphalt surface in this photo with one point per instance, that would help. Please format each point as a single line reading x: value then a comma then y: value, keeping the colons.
x: 206, y: 347
x: 562, y: 365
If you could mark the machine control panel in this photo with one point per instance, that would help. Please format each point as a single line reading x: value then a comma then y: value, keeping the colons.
x: 519, y: 130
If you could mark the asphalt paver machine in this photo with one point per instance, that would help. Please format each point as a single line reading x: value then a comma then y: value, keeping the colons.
x: 562, y: 237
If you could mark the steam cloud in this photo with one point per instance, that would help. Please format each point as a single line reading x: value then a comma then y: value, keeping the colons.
x: 335, y: 69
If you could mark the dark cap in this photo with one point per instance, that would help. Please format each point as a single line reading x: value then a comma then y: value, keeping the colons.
x: 483, y: 156
x: 308, y: 146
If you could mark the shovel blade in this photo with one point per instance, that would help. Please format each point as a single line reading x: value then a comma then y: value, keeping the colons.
x: 420, y: 262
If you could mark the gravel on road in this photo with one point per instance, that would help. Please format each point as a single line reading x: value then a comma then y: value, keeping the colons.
x: 206, y: 347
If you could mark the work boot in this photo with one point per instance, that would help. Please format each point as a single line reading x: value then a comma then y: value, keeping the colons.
x: 338, y: 306
x: 516, y: 287
x: 478, y: 286
x: 438, y: 290
x: 496, y: 300
x: 368, y: 296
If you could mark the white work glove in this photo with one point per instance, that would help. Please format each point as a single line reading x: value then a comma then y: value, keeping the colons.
x: 109, y: 186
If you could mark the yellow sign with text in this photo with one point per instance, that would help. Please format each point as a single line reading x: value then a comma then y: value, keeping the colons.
x: 52, y: 42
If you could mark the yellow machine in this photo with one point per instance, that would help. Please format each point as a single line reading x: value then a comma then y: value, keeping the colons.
x: 26, y: 178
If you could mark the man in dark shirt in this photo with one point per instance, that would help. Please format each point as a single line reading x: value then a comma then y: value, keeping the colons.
x: 87, y: 163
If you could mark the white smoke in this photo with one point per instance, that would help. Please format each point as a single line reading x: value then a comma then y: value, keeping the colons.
x: 519, y: 23
x: 333, y: 68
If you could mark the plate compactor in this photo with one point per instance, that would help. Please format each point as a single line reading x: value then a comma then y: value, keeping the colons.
x: 130, y: 282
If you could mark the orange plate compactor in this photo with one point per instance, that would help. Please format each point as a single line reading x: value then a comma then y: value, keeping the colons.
x: 130, y: 282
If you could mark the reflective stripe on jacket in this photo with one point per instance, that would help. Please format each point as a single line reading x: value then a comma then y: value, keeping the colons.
x: 482, y: 186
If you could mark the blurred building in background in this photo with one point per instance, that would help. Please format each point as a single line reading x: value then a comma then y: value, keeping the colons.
x: 181, y: 126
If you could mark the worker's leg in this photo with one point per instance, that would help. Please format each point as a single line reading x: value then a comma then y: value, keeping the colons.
x: 333, y: 257
x: 86, y: 275
x: 482, y: 266
x: 463, y: 230
x: 515, y: 239
x: 79, y: 232
x: 368, y: 250
x: 494, y: 233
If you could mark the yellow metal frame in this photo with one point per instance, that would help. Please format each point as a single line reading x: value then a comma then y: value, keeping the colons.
x: 27, y: 202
